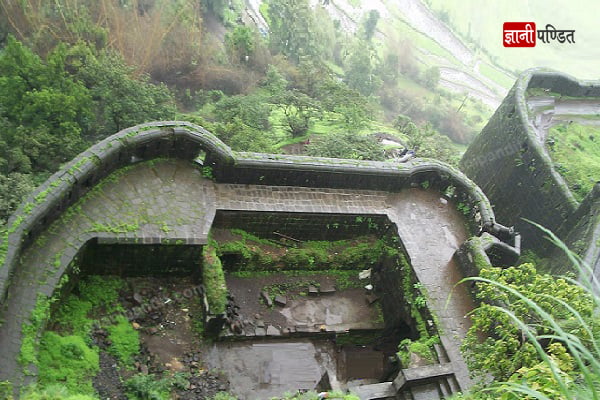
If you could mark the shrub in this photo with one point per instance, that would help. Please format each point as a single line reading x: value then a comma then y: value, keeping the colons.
x: 543, y: 340
x: 347, y: 145
x: 149, y: 387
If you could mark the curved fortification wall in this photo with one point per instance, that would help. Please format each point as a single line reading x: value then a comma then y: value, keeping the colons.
x: 509, y: 162
x: 178, y: 175
x: 183, y: 140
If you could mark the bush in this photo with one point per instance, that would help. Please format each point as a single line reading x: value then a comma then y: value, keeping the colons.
x: 347, y: 145
x: 504, y: 351
x: 543, y: 333
x: 149, y: 387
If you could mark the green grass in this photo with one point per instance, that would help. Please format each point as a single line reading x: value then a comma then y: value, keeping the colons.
x: 125, y: 340
x: 576, y: 156
x: 52, y: 392
x: 400, y: 27
x: 496, y: 75
x: 344, y: 279
x: 264, y: 11
x: 65, y: 356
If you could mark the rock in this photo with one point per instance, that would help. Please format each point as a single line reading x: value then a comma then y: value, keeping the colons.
x: 260, y: 323
x: 369, y: 287
x: 257, y: 316
x: 138, y: 298
x: 260, y: 332
x: 272, y: 331
x: 371, y: 298
x: 175, y: 365
x: 443, y: 201
x: 364, y: 274
x: 135, y: 325
x: 267, y: 298
x: 144, y: 369
x: 280, y: 300
x: 185, y: 309
x: 236, y: 327
x: 313, y: 291
x: 327, y: 289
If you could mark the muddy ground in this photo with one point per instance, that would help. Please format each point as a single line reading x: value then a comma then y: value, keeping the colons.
x: 169, y: 341
x: 168, y: 318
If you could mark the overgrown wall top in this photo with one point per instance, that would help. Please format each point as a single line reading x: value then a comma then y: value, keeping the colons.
x: 511, y: 166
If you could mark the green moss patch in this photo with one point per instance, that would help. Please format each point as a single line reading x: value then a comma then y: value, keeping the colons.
x: 68, y: 360
x: 125, y: 340
x: 576, y: 156
x: 213, y: 279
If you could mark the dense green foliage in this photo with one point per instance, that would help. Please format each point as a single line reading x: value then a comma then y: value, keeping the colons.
x: 347, y: 145
x: 540, y: 334
x: 44, y: 110
x: 151, y: 387
x: 52, y: 109
x: 53, y: 392
x: 503, y: 337
x: 66, y: 356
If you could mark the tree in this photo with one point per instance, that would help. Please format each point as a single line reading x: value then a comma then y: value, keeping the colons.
x: 337, y: 97
x: 240, y: 43
x: 370, y: 24
x: 431, y: 77
x: 347, y: 145
x: 43, y: 107
x: 360, y: 69
x: 120, y: 99
x: 292, y: 29
x: 298, y: 110
x: 252, y: 110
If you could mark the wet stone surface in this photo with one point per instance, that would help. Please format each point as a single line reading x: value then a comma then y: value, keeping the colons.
x: 301, y: 312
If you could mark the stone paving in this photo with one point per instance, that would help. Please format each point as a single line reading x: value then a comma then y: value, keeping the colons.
x: 170, y: 200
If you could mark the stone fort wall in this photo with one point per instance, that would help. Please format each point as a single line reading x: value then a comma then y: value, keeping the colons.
x: 511, y: 166
x: 182, y: 140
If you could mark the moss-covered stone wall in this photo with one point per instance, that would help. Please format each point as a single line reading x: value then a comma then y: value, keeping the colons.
x: 511, y: 166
